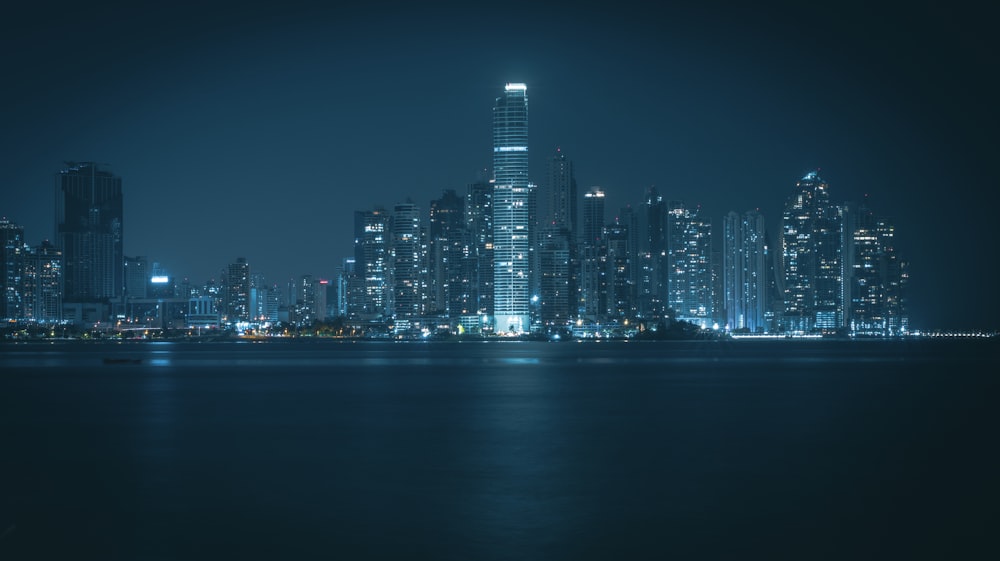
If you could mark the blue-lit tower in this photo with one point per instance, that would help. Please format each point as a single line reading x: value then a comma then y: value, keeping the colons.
x: 512, y: 212
x: 812, y: 258
x: 689, y: 274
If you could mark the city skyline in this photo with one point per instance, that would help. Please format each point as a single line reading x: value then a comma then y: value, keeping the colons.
x: 189, y: 157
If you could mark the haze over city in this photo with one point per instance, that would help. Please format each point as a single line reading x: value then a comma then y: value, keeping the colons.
x: 252, y: 131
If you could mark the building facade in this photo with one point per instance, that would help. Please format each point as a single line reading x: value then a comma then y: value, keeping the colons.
x: 813, y: 258
x: 512, y: 213
x: 744, y: 271
x: 689, y: 265
x: 89, y: 232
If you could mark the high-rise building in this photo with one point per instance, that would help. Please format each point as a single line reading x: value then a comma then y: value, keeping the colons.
x: 446, y: 247
x: 651, y: 275
x: 591, y: 289
x: 350, y: 289
x: 237, y: 292
x: 812, y: 258
x: 512, y: 212
x: 619, y: 286
x: 477, y: 308
x: 407, y: 262
x: 372, y: 265
x: 556, y: 300
x: 41, y: 284
x: 593, y: 216
x: 877, y: 278
x: 11, y: 269
x: 744, y: 271
x: 562, y: 195
x: 689, y: 275
x: 89, y: 233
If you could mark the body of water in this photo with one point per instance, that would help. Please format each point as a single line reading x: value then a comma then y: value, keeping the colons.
x: 500, y: 450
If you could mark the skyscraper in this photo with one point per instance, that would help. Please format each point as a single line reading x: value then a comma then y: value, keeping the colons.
x: 689, y: 276
x: 812, y: 258
x: 447, y: 288
x: 592, y: 294
x: 89, y: 233
x: 651, y: 276
x: 11, y: 268
x: 42, y: 281
x: 478, y: 257
x: 512, y: 213
x: 562, y: 194
x: 877, y: 278
x: 407, y: 263
x: 744, y: 272
x: 372, y: 265
x: 237, y: 292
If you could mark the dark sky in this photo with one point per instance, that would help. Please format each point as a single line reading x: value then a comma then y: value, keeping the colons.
x: 243, y: 130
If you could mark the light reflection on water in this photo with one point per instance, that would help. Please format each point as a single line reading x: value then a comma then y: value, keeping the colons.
x: 506, y: 451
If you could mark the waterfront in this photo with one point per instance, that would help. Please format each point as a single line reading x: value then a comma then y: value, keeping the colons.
x: 500, y: 450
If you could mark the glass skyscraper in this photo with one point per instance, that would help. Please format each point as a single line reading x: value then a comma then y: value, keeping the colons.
x: 744, y: 271
x: 511, y: 212
x: 812, y: 257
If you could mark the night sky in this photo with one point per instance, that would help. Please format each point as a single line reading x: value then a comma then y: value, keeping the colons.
x: 243, y: 130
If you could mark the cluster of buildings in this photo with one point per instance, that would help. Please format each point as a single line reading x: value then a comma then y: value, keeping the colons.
x: 492, y: 260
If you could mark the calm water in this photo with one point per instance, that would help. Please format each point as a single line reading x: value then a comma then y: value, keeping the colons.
x: 466, y: 451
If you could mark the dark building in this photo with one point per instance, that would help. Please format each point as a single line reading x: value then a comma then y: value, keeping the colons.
x: 446, y: 247
x: 89, y: 233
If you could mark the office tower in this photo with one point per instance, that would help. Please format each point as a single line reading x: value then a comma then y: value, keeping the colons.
x: 512, y: 212
x: 11, y: 268
x: 407, y: 262
x: 877, y: 278
x: 557, y: 302
x: 562, y: 195
x: 42, y: 284
x: 446, y: 248
x: 593, y: 216
x: 350, y: 289
x: 744, y: 272
x: 237, y: 292
x: 812, y: 258
x: 372, y: 265
x: 89, y: 233
x: 591, y: 297
x: 689, y: 275
x: 305, y: 301
x: 651, y: 276
x: 619, y: 287
x: 478, y: 263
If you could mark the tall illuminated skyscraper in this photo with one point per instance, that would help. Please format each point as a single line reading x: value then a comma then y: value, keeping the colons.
x: 812, y: 258
x: 11, y: 268
x: 372, y: 265
x: 408, y: 270
x: 689, y: 276
x: 512, y: 212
